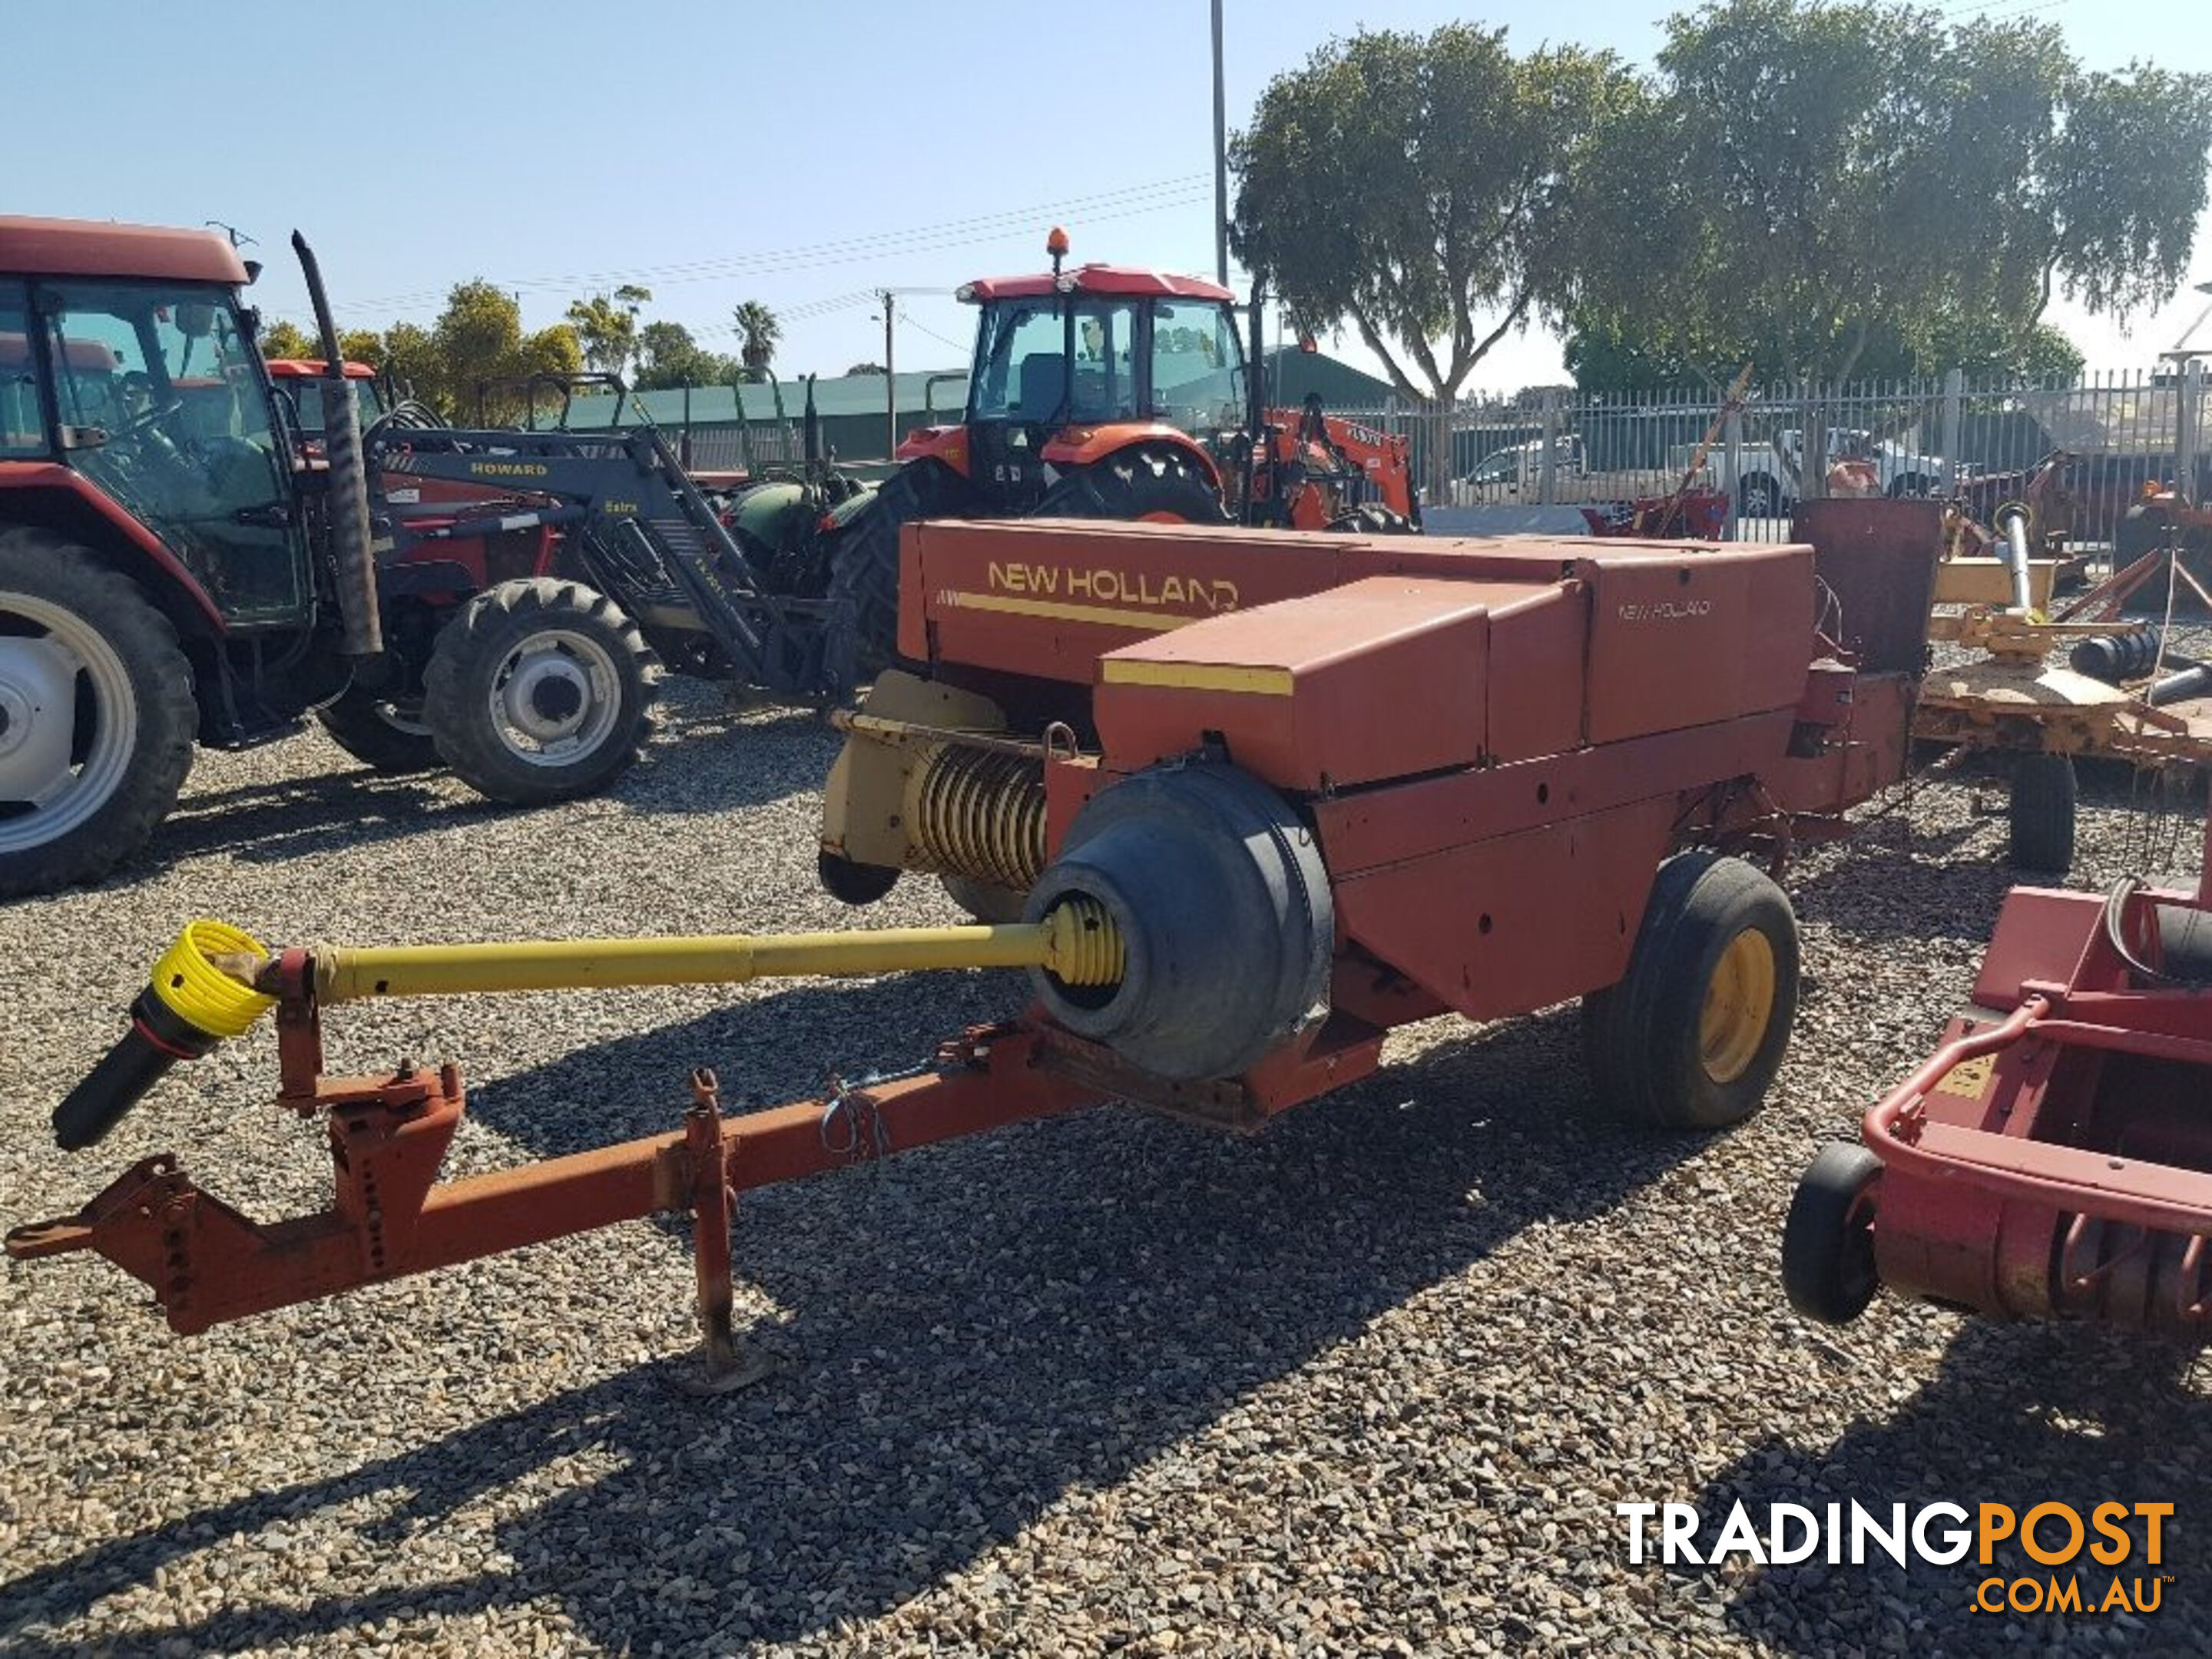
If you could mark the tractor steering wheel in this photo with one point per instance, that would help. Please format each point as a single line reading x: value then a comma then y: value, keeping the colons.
x: 147, y: 419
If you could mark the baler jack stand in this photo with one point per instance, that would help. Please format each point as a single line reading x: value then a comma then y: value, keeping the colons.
x: 727, y: 1364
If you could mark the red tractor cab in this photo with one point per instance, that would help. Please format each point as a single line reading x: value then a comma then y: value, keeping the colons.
x: 296, y: 378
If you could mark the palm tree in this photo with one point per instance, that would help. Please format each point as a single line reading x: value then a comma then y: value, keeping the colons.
x: 758, y: 332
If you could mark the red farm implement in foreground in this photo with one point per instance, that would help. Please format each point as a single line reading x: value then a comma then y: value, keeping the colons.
x: 2054, y: 1158
x: 1401, y: 777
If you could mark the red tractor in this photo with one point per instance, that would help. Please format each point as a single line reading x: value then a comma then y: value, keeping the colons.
x: 1111, y: 392
x: 182, y: 562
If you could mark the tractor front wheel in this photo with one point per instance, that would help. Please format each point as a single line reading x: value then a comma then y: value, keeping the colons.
x: 536, y: 692
x: 384, y: 734
x: 1159, y: 482
x: 863, y: 634
x: 1693, y: 1033
x: 97, y: 717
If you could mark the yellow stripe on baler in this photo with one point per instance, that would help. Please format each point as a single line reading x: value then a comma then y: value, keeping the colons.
x: 1150, y: 622
x: 1199, y: 676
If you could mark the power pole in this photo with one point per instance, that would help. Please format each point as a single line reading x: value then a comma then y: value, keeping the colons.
x: 1220, y: 160
x: 891, y: 384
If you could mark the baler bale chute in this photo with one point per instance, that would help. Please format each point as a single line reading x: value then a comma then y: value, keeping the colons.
x: 2053, y: 1159
x: 1359, y: 782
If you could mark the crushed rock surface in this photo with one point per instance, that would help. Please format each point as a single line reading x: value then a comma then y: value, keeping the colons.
x: 1369, y: 1382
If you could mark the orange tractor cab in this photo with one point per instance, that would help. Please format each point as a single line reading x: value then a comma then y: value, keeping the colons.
x: 1111, y: 392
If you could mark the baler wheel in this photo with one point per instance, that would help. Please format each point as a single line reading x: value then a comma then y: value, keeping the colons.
x: 1693, y: 1033
x: 2043, y: 800
x: 1827, y: 1243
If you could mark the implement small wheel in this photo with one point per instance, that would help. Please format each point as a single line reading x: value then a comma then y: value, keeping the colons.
x: 850, y: 883
x: 2045, y: 797
x: 536, y: 692
x: 1694, y: 1032
x: 1827, y: 1243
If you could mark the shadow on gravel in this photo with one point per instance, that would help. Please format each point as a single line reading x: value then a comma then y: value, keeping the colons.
x: 266, y: 823
x: 715, y: 758
x: 970, y: 1332
x: 1987, y: 1430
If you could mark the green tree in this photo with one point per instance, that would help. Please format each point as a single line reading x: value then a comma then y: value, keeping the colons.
x: 1419, y: 188
x: 281, y: 339
x: 606, y: 326
x: 1823, y: 187
x: 863, y: 368
x: 759, y: 333
x: 669, y: 356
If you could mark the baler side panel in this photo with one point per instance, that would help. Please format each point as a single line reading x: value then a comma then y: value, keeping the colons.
x: 1683, y: 643
x: 1509, y: 924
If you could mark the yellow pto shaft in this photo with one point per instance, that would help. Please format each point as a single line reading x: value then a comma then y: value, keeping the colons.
x: 1075, y: 943
x: 215, y: 981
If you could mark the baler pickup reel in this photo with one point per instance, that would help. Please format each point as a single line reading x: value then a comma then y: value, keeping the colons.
x: 207, y: 1263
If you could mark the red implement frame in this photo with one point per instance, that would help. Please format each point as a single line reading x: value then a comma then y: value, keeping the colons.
x: 2058, y: 1161
x: 390, y: 1216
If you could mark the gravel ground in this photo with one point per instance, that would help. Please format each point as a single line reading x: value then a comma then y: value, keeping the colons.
x: 1372, y: 1381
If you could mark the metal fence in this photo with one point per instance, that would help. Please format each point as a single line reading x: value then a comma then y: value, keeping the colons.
x: 2119, y: 431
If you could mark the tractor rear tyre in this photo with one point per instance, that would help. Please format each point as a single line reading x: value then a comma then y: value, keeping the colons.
x: 1694, y: 1032
x: 863, y: 630
x: 97, y: 717
x: 1373, y: 518
x: 383, y: 735
x: 536, y: 692
x: 1827, y: 1243
x: 2045, y: 798
x: 1160, y: 482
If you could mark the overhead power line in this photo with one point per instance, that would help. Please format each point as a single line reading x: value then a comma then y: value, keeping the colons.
x: 1130, y: 199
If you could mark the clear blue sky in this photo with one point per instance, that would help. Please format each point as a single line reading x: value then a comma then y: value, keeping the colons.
x: 798, y: 155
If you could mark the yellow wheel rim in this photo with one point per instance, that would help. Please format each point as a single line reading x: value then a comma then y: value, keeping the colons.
x: 1739, y: 1006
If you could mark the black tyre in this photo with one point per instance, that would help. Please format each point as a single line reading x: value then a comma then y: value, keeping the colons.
x: 1759, y: 497
x: 1828, y: 1242
x: 536, y: 692
x: 97, y: 717
x: 1373, y: 518
x: 851, y: 883
x: 1693, y: 1033
x: 984, y: 901
x: 2045, y: 799
x: 1159, y: 481
x: 385, y: 735
x: 863, y: 630
x: 1912, y: 486
x: 2185, y: 944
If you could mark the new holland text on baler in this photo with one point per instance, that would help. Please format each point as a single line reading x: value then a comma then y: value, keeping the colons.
x: 1270, y: 795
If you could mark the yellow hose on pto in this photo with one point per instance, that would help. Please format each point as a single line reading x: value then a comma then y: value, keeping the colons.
x: 214, y: 981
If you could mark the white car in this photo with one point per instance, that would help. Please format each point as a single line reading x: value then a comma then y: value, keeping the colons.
x: 1518, y: 469
x: 1768, y: 484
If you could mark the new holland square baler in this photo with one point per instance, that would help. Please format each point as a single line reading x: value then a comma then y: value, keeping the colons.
x: 1260, y: 796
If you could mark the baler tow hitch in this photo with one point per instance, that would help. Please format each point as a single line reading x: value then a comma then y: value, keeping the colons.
x: 390, y: 1216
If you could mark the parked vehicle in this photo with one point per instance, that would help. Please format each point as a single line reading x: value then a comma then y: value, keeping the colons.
x: 1768, y: 482
x: 1518, y: 469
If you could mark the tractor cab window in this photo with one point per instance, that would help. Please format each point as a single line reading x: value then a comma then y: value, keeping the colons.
x: 161, y: 394
x: 1027, y: 372
x: 22, y: 409
x: 1198, y: 366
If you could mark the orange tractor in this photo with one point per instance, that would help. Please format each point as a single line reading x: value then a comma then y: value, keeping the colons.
x: 1112, y: 392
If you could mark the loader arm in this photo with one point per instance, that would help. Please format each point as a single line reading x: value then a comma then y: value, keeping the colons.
x: 648, y: 538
